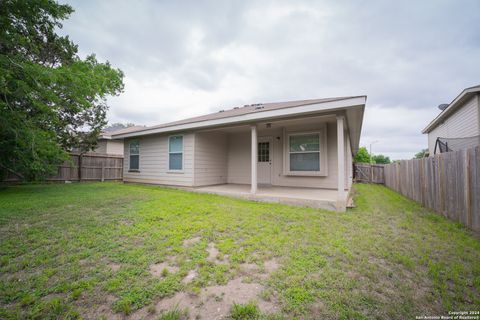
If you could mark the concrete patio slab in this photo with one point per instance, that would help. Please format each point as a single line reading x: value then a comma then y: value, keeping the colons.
x: 298, y: 196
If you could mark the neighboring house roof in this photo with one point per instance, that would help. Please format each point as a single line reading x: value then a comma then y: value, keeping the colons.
x: 458, y: 102
x: 107, y: 135
x: 253, y: 112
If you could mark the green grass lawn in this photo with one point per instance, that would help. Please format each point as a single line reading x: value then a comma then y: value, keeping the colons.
x: 80, y: 250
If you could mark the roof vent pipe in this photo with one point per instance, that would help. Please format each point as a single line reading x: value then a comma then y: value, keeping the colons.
x: 443, y: 106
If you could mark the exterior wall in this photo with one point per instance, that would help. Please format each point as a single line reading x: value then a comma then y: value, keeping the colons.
x: 101, y: 147
x: 210, y: 160
x: 348, y: 162
x: 238, y: 158
x: 464, y: 122
x: 217, y: 157
x: 114, y: 147
x: 239, y: 147
x: 154, y: 161
x: 109, y: 147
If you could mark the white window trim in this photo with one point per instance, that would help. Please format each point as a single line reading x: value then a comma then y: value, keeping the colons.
x: 130, y: 154
x: 322, y: 134
x: 183, y: 154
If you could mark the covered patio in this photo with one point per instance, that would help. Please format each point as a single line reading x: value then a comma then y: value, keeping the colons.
x: 252, y: 162
x: 299, y: 196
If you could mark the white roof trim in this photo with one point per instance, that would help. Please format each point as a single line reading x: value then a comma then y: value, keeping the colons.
x: 446, y: 113
x: 255, y: 116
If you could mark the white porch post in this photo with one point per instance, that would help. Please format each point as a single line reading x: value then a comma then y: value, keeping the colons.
x: 341, y: 201
x: 254, y: 160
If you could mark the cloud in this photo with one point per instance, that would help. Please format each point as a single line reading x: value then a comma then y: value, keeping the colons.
x: 186, y: 58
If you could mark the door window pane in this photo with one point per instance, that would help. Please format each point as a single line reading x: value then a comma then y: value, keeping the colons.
x: 263, y: 152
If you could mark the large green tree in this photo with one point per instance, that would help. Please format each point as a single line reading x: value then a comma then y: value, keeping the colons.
x: 381, y: 159
x: 51, y: 100
x: 362, y: 156
x: 422, y: 154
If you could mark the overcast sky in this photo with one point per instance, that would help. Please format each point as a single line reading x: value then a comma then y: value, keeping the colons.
x: 187, y: 58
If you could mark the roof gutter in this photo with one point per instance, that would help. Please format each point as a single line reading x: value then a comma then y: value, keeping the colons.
x: 451, y: 107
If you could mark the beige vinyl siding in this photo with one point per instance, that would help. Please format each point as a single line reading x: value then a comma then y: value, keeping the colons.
x: 239, y: 161
x: 101, y: 147
x: 109, y: 147
x: 348, y: 162
x: 464, y: 122
x: 114, y: 147
x: 153, y: 166
x: 210, y: 158
x: 238, y: 158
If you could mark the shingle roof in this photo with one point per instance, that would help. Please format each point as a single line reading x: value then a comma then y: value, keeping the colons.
x: 108, y: 134
x: 246, y: 109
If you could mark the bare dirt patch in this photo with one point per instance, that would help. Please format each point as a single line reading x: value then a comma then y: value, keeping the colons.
x: 158, y: 269
x: 248, y: 269
x: 212, y: 252
x: 213, y: 302
x: 192, y: 274
x: 103, y: 308
x: 114, y: 266
x: 271, y: 266
x: 190, y: 242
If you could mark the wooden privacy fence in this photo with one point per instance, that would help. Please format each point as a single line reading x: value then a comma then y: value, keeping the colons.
x: 448, y: 183
x: 369, y: 173
x: 85, y: 167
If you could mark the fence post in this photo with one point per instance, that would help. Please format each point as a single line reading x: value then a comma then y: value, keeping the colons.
x: 467, y: 186
x: 103, y: 171
x: 80, y: 168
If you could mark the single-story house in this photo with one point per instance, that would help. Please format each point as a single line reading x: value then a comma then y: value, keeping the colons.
x: 297, y: 152
x: 457, y: 126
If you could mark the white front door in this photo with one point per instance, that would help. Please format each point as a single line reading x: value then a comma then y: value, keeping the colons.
x: 264, y: 160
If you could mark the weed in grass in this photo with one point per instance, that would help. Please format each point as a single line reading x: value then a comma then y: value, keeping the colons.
x: 124, y: 306
x: 151, y: 309
x: 266, y: 294
x: 248, y: 311
x: 76, y: 294
x: 174, y: 314
x: 27, y: 299
x: 54, y: 308
x: 165, y: 272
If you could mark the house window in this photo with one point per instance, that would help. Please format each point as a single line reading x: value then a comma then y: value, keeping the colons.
x: 263, y: 152
x: 175, y: 153
x: 134, y: 156
x: 304, y: 152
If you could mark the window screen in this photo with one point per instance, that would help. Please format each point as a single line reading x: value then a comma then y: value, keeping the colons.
x: 134, y: 155
x: 175, y: 155
x: 304, y: 152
